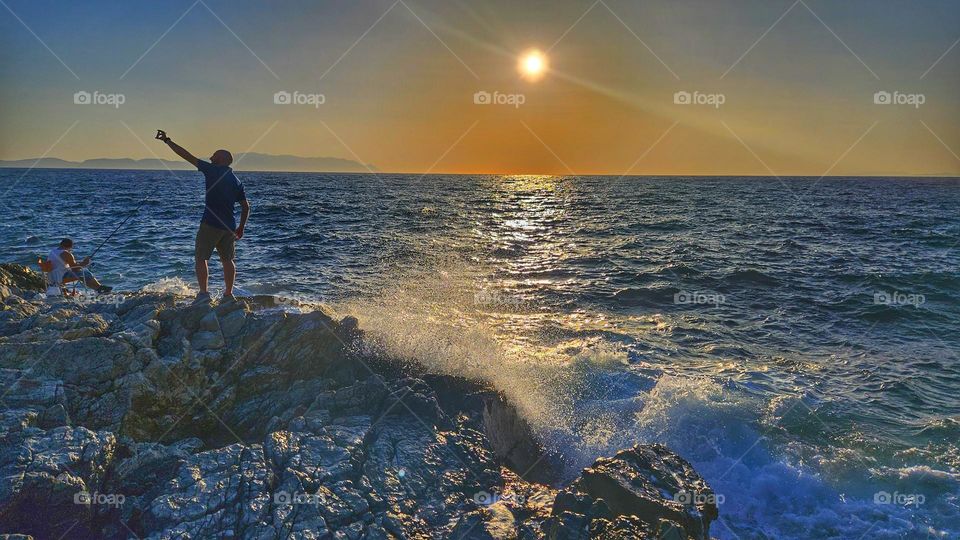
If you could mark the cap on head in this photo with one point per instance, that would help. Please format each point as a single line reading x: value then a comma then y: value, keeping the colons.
x: 221, y: 157
x: 66, y: 243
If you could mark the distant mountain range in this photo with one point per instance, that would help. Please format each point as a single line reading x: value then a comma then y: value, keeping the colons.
x: 250, y: 161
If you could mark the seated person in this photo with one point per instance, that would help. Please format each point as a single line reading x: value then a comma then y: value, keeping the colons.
x: 66, y: 269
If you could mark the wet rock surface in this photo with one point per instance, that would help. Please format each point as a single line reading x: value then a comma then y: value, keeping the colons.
x: 142, y: 416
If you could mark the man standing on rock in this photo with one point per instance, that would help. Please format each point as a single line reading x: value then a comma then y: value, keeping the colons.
x: 218, y: 229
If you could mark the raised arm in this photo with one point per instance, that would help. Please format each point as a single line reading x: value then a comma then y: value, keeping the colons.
x: 177, y: 149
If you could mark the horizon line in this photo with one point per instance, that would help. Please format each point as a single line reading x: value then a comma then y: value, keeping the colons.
x: 944, y: 176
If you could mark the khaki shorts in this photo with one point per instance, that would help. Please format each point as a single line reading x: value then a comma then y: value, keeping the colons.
x: 209, y: 237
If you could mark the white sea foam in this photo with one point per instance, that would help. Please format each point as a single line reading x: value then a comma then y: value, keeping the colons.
x: 769, y: 494
x: 434, y: 324
x: 444, y: 322
x: 173, y: 285
x: 584, y: 399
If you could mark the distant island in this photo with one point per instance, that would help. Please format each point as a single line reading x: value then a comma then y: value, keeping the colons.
x: 250, y: 161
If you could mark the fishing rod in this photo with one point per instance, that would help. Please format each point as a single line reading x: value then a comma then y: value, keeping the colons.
x: 160, y: 135
x: 109, y: 236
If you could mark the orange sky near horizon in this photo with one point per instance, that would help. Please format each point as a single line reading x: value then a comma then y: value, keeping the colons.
x: 773, y: 89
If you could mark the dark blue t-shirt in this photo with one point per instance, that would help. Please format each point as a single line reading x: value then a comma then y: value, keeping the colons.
x: 224, y: 189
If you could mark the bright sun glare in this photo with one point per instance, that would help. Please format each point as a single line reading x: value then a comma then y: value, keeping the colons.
x: 533, y: 64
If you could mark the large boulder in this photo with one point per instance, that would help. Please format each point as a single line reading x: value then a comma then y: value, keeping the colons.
x: 647, y: 488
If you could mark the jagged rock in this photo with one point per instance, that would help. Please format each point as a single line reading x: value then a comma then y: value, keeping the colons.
x: 141, y: 335
x: 668, y: 530
x: 13, y: 310
x: 209, y: 323
x: 231, y: 324
x: 416, y: 397
x: 247, y: 416
x: 203, y: 341
x: 631, y: 527
x: 494, y: 522
x: 44, y: 476
x: 648, y: 482
x: 92, y: 370
x: 304, y: 346
x: 31, y: 401
x: 214, y: 494
x: 513, y: 440
x: 312, y: 459
x: 66, y: 323
x: 17, y: 280
x: 568, y: 526
x: 423, y: 476
x: 144, y: 466
x: 235, y: 421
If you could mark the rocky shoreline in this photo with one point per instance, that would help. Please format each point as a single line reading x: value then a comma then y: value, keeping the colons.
x: 142, y: 416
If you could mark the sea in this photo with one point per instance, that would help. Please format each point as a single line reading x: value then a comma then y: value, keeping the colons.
x: 795, y: 339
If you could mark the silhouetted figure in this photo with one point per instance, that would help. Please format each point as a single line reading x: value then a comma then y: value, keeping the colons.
x: 218, y: 229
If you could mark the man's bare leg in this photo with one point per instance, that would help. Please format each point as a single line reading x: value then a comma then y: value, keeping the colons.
x: 87, y: 277
x: 202, y: 274
x: 91, y: 281
x: 229, y: 276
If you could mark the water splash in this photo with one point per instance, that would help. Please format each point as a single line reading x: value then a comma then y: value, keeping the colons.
x: 447, y: 322
x: 173, y: 285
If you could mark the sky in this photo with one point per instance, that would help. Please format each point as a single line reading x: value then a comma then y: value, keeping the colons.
x: 775, y: 87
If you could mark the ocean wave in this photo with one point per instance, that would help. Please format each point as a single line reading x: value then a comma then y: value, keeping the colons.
x: 749, y: 276
x: 936, y: 479
x: 678, y: 270
x: 948, y: 427
x: 638, y: 296
x: 767, y: 494
x: 904, y: 281
x: 666, y: 225
x: 173, y: 285
x: 790, y: 245
x: 888, y: 313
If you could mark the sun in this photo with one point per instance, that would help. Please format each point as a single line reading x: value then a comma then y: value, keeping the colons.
x: 532, y: 65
